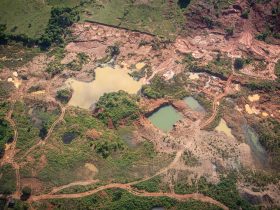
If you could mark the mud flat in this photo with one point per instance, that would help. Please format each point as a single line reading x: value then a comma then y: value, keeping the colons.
x: 107, y: 79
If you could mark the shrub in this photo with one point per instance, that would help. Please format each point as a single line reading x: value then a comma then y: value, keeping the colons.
x: 64, y: 95
x: 8, y: 179
x: 159, y: 88
x: 54, y: 68
x: 238, y: 63
x: 262, y: 36
x: 208, y: 21
x: 245, y: 14
x: 26, y: 193
x: 229, y: 31
x: 105, y: 148
x: 277, y: 69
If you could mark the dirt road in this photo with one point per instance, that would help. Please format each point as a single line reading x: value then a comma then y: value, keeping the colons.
x: 195, y: 196
x: 216, y: 102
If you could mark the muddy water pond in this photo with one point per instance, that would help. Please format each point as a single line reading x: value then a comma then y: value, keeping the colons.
x: 68, y: 137
x: 165, y: 117
x: 107, y: 79
x: 193, y: 104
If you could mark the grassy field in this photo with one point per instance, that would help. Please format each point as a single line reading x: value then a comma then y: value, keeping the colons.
x: 29, y: 17
x: 159, y: 17
x: 65, y: 163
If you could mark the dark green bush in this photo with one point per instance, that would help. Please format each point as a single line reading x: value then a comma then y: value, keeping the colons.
x: 117, y: 106
x: 26, y: 193
x: 61, y: 18
x: 238, y: 63
x: 63, y: 95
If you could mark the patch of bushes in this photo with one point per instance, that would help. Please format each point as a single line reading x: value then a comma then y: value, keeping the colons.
x: 54, y: 68
x: 245, y: 13
x: 5, y: 89
x: 26, y: 193
x: 259, y: 178
x: 225, y: 191
x: 118, y: 199
x: 238, y: 63
x: 152, y: 185
x: 77, y: 64
x: 219, y: 67
x: 34, y: 88
x: 269, y: 132
x: 63, y: 95
x: 61, y: 18
x: 106, y: 147
x: 190, y: 159
x: 263, y: 85
x: 277, y: 70
x: 116, y: 107
x: 159, y: 88
x: 7, y: 179
x: 208, y: 21
x: 6, y: 135
x: 229, y: 31
x: 262, y: 36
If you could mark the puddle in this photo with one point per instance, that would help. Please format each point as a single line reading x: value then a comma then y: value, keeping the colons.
x: 158, y: 208
x: 107, y: 79
x: 68, y: 137
x: 165, y: 118
x: 223, y: 127
x: 193, y: 104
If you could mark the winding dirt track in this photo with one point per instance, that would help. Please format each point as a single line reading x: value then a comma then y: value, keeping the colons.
x: 58, y: 120
x: 215, y: 105
x: 40, y: 142
x: 195, y: 196
x: 128, y: 187
x: 9, y: 155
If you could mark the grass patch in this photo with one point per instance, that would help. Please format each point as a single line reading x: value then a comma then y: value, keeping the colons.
x: 5, y: 89
x: 162, y: 18
x: 269, y: 132
x: 225, y: 191
x: 16, y: 55
x: 152, y: 185
x: 7, y: 179
x: 159, y: 88
x: 29, y: 17
x: 32, y: 125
